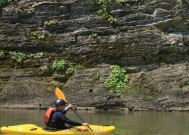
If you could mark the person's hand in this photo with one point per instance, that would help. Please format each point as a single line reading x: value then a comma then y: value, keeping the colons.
x: 69, y: 106
x: 85, y: 124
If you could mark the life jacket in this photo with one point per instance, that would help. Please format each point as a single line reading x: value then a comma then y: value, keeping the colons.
x: 48, y: 115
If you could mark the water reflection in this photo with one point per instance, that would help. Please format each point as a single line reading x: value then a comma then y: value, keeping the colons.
x: 131, y: 123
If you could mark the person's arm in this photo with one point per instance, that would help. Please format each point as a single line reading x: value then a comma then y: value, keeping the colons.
x: 74, y: 123
x: 70, y: 122
x: 69, y: 106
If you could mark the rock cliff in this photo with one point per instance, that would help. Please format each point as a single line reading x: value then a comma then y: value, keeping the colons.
x: 149, y: 38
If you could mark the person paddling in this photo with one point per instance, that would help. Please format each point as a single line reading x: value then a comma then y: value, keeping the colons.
x: 55, y: 118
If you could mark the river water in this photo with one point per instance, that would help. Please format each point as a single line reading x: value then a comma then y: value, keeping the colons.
x: 129, y: 123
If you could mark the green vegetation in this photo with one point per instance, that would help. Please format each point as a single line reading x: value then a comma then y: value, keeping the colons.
x: 59, y: 65
x: 187, y: 1
x: 96, y: 76
x: 24, y: 9
x: 1, y: 54
x: 51, y: 22
x: 104, y: 8
x: 65, y: 66
x: 27, y: 11
x: 37, y: 35
x: 72, y: 68
x: 93, y: 35
x: 19, y: 57
x: 36, y: 55
x: 117, y: 80
x: 104, y: 11
x: 3, y: 3
x: 120, y: 1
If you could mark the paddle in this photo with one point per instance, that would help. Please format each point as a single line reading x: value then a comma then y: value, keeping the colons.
x: 61, y: 95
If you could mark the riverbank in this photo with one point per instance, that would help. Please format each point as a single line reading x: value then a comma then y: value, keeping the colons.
x: 91, y: 109
x: 87, y: 109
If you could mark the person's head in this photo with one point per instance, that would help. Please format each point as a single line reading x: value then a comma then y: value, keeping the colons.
x: 60, y: 104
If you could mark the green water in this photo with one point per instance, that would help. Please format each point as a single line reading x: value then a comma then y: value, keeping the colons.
x: 131, y: 123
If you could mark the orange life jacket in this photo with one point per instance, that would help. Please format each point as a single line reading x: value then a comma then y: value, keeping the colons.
x: 48, y: 115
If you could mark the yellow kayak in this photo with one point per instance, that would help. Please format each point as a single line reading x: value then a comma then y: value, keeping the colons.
x: 31, y: 129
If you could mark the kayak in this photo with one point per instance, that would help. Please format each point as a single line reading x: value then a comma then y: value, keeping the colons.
x: 31, y: 129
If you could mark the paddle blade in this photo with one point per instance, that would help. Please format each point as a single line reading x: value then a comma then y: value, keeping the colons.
x: 60, y: 94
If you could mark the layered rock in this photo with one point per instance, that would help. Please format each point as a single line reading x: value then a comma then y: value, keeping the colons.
x: 145, y: 36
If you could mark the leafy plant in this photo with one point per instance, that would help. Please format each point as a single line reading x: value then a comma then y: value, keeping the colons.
x: 93, y: 35
x: 1, y: 54
x: 78, y: 66
x: 51, y: 22
x: 24, y: 9
x: 117, y: 80
x: 38, y: 55
x: 96, y: 76
x: 104, y: 11
x: 19, y: 57
x: 3, y: 3
x: 120, y: 1
x: 37, y: 35
x: 72, y: 68
x: 104, y: 8
x: 59, y: 65
x: 30, y: 10
x: 65, y: 66
x: 187, y: 1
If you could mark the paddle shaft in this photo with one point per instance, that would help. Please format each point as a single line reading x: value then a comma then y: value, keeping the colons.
x: 81, y: 118
x: 78, y: 115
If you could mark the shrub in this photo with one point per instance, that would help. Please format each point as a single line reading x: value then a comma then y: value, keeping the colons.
x: 59, y: 65
x: 117, y: 80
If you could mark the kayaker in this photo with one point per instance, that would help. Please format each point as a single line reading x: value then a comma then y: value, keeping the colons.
x: 58, y: 119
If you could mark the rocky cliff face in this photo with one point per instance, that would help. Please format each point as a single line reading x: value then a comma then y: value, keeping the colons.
x: 148, y: 38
